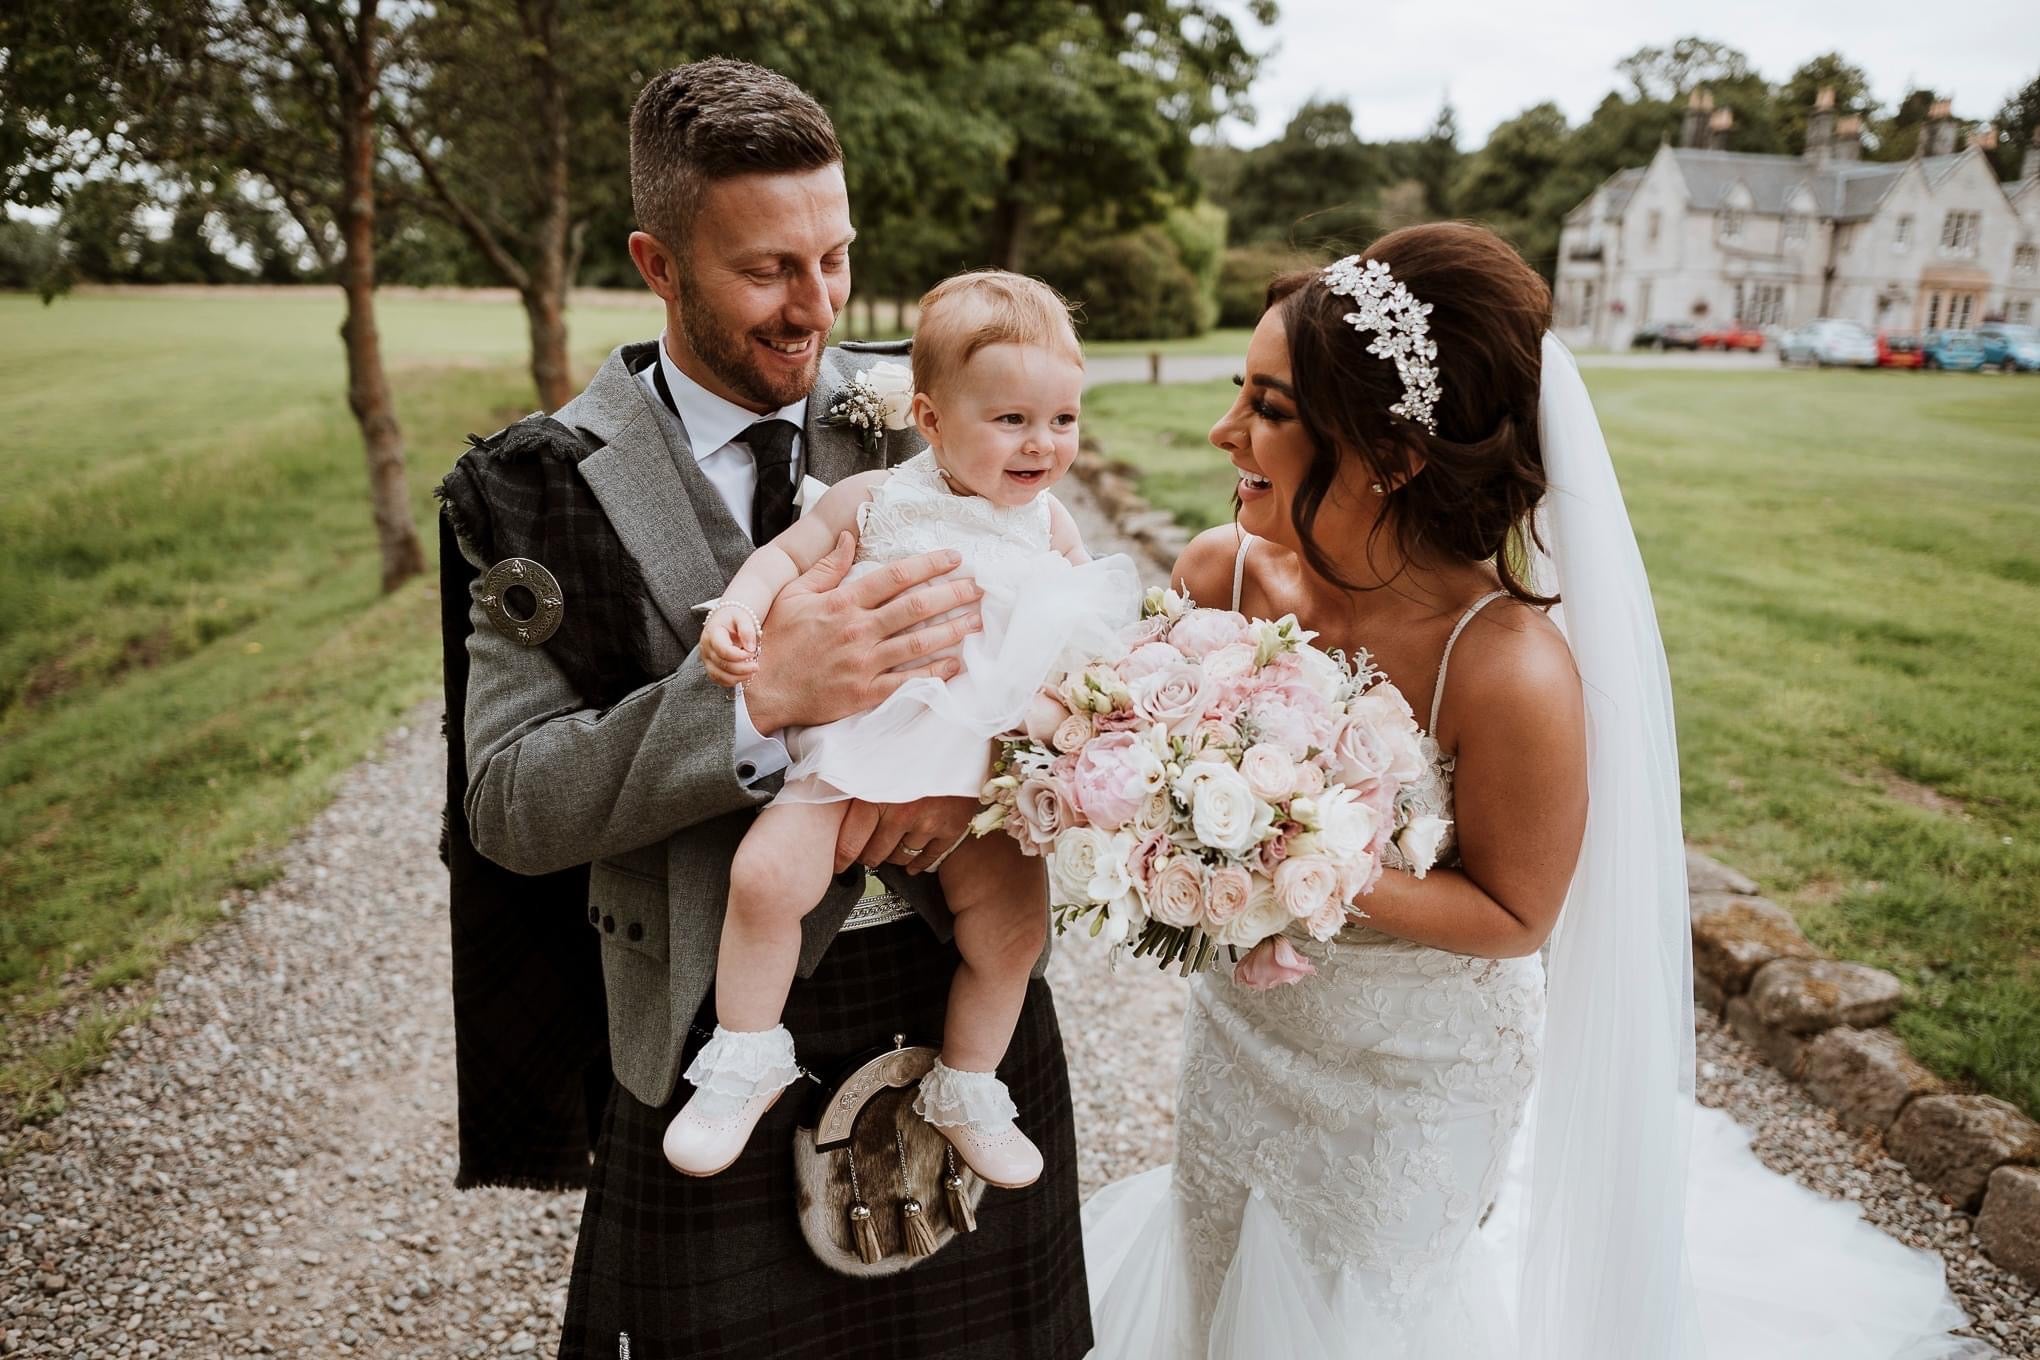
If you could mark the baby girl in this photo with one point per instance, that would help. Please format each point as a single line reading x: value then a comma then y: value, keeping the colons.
x: 999, y: 374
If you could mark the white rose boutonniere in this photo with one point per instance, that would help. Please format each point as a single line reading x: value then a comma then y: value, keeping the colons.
x: 878, y: 399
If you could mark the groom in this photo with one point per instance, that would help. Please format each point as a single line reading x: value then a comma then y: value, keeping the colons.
x: 599, y: 783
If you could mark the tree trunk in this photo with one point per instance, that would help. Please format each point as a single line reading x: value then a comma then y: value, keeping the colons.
x: 545, y: 303
x: 899, y: 314
x: 545, y: 310
x: 368, y: 385
x: 1009, y: 233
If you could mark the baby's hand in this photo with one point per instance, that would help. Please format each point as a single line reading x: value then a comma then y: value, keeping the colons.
x: 729, y: 646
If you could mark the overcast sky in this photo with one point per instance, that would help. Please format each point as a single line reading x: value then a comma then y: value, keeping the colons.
x: 1394, y: 61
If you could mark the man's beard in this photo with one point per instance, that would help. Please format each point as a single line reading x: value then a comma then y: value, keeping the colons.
x: 730, y: 358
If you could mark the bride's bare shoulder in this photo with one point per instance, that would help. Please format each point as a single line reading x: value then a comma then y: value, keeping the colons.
x: 1511, y: 660
x: 1204, y: 571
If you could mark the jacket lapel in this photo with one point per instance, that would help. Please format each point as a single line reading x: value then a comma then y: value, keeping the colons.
x: 633, y: 476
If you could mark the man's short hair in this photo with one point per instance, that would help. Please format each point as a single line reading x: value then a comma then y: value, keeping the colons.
x: 712, y: 120
x: 968, y: 312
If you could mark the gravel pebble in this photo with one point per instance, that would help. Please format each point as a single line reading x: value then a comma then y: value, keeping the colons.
x: 265, y: 1165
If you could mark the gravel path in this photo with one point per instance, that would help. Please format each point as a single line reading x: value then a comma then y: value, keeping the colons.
x: 265, y: 1164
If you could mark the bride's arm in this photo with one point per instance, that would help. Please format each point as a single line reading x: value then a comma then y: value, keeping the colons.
x: 1519, y: 798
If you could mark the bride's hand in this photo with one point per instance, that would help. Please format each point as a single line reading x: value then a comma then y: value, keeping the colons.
x: 1273, y: 962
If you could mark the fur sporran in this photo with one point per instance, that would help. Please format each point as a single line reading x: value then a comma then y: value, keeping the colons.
x: 879, y: 1190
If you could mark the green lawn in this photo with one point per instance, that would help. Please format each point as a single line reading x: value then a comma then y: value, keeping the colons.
x: 1847, y: 569
x: 1219, y: 342
x: 194, y: 644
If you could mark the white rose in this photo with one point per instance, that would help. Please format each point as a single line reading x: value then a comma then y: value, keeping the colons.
x: 1346, y: 826
x: 1224, y: 813
x: 894, y: 384
x: 1155, y: 814
x: 1071, y: 733
x: 1079, y: 853
x: 1269, y: 772
x: 1419, y: 843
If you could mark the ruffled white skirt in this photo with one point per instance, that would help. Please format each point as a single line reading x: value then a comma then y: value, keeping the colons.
x: 932, y: 737
x: 1780, y: 1273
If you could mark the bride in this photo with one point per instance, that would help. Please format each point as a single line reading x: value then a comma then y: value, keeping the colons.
x: 1465, y: 1132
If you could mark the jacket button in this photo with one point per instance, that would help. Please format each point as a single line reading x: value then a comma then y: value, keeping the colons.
x: 594, y: 916
x: 609, y: 925
x: 636, y: 931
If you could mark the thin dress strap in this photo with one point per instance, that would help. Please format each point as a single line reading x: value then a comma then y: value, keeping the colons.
x: 1438, y: 689
x: 1239, y: 567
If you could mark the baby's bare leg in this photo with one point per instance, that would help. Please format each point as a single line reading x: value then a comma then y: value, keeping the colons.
x: 780, y: 874
x: 1000, y: 899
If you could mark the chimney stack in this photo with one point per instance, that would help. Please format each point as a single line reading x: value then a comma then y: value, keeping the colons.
x: 1984, y: 139
x: 1820, y: 128
x: 1718, y: 127
x: 1693, y: 128
x: 1938, y: 137
x: 1848, y: 144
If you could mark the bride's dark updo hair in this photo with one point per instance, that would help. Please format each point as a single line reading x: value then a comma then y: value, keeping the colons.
x: 1483, y: 472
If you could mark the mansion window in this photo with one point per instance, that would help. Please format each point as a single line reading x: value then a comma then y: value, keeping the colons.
x: 1760, y: 304
x: 1729, y: 222
x: 2024, y: 261
x: 1901, y: 236
x: 1959, y: 232
x: 1795, y: 229
x: 2022, y: 313
x: 1657, y: 220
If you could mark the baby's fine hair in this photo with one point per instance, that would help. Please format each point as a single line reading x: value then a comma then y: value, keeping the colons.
x: 963, y: 314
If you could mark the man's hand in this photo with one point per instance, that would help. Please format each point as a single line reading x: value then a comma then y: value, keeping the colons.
x: 912, y: 835
x: 839, y: 649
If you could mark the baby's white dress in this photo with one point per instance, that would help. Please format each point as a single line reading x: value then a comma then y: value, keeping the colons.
x: 932, y: 737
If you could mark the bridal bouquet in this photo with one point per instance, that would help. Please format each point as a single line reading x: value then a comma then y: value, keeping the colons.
x: 1215, y: 780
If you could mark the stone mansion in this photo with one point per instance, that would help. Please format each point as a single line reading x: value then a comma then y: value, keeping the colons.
x: 1707, y: 235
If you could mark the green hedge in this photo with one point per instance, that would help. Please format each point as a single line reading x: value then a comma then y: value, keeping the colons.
x: 1244, y: 274
x: 1159, y: 282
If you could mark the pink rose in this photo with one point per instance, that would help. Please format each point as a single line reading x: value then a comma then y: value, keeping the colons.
x: 1229, y: 672
x: 1178, y: 895
x: 1043, y: 809
x: 1225, y: 895
x: 1304, y: 884
x: 1174, y: 696
x: 1275, y: 849
x: 1114, y: 775
x: 1152, y: 629
x: 1273, y: 962
x: 1206, y: 630
x: 1310, y: 780
x: 1212, y: 735
x: 1146, y: 659
x: 1071, y: 733
x: 1045, y: 713
x: 1269, y: 772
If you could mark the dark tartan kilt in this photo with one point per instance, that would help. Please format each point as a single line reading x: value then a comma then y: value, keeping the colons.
x: 697, y: 1269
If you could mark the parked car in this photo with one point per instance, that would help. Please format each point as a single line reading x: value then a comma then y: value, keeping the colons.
x: 1898, y: 349
x: 1829, y: 342
x: 1732, y: 335
x: 1956, y: 351
x: 1664, y: 335
x: 2015, y: 349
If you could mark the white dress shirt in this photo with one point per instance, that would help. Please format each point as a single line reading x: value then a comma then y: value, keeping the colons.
x: 713, y: 424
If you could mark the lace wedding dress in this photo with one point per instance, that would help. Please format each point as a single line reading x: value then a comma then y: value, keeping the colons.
x: 930, y: 736
x: 1343, y: 1182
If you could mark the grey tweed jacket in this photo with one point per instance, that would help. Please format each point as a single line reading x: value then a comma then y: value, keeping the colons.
x: 649, y: 791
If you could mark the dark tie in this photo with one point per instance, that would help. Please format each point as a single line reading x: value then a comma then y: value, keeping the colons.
x: 771, y: 443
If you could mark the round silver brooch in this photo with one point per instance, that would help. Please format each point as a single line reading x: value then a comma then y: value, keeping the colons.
x: 518, y: 583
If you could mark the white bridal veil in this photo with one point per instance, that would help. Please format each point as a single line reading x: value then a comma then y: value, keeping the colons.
x: 1603, y: 1239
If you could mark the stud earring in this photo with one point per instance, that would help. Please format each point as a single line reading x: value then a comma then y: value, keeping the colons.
x: 1377, y: 489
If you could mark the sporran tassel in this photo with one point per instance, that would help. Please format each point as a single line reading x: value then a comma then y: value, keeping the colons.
x: 864, y: 1234
x: 863, y: 1231
x: 962, y: 1217
x: 915, y: 1228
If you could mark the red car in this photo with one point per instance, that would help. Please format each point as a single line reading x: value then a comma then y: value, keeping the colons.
x: 1899, y: 349
x: 1733, y: 335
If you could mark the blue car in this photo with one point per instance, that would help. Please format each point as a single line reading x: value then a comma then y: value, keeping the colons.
x: 2015, y: 349
x: 1956, y: 351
